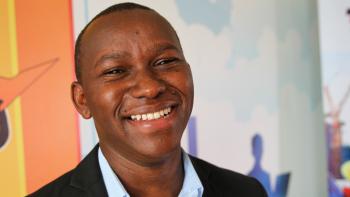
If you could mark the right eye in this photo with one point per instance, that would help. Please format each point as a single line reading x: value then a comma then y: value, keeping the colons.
x: 114, y: 71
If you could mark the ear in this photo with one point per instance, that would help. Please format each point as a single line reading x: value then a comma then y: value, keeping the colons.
x: 79, y: 100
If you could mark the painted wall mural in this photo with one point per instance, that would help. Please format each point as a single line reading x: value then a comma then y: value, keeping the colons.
x: 35, y: 72
x: 16, y: 86
x: 281, y: 185
x: 335, y: 55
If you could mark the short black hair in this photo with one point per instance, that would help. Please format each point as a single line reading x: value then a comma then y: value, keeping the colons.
x: 114, y: 8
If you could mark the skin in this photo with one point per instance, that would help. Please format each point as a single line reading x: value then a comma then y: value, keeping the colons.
x: 132, y: 63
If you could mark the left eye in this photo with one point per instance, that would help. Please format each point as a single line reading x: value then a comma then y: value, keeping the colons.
x: 165, y: 61
x: 114, y: 71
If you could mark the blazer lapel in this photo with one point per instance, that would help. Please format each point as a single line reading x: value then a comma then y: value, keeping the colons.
x: 204, y: 173
x: 87, y: 176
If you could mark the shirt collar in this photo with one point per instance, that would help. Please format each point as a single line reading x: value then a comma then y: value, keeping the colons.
x: 192, y: 186
x: 113, y: 185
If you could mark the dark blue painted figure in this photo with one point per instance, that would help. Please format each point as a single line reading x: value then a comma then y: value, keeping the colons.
x: 4, y: 130
x: 258, y: 172
x: 263, y: 176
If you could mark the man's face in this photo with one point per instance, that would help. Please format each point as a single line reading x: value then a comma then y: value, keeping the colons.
x: 136, y: 84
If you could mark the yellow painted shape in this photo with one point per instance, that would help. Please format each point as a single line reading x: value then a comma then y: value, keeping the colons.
x: 8, y: 45
x: 12, y: 164
x: 345, y: 170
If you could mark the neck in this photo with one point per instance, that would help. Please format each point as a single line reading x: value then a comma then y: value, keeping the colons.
x: 155, y: 177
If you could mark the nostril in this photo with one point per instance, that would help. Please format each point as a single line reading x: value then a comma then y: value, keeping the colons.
x: 148, y: 88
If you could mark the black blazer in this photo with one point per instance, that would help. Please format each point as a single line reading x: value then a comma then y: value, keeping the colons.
x: 86, y: 180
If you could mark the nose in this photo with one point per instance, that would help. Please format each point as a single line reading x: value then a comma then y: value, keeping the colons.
x: 147, y: 85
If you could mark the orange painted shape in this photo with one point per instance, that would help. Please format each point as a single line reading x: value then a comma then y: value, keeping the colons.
x: 17, y: 85
x: 12, y: 173
x: 44, y: 32
x: 5, y: 60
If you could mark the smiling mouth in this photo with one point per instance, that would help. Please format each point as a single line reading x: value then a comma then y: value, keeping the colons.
x: 152, y: 116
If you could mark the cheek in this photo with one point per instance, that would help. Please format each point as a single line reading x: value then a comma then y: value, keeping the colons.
x: 183, y: 83
x: 182, y: 80
x: 104, y: 100
x: 189, y: 85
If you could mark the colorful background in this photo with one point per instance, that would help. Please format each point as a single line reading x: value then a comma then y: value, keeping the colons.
x: 36, y: 71
x: 335, y: 56
x: 258, y: 89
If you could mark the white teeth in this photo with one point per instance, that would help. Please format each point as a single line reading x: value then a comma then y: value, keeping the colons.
x: 156, y: 115
x: 167, y: 111
x: 152, y: 116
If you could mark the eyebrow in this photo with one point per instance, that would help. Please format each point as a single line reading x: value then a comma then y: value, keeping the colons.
x: 157, y: 48
x: 160, y: 47
x: 114, y: 55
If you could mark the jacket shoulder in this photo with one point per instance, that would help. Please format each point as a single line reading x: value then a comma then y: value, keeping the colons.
x: 84, y: 180
x: 58, y: 187
x: 226, y: 182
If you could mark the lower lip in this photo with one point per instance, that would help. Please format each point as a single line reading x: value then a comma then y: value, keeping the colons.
x: 155, y: 125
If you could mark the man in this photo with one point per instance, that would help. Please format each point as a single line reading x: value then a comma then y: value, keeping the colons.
x: 133, y: 79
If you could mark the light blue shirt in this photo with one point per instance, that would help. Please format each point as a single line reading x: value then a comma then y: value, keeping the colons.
x: 191, y: 187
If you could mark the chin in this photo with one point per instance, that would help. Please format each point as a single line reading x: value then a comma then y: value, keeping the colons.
x: 158, y: 152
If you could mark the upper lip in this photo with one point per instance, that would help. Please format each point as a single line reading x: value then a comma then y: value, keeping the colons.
x: 147, y: 108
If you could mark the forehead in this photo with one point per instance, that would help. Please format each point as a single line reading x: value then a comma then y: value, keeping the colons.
x: 115, y: 29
